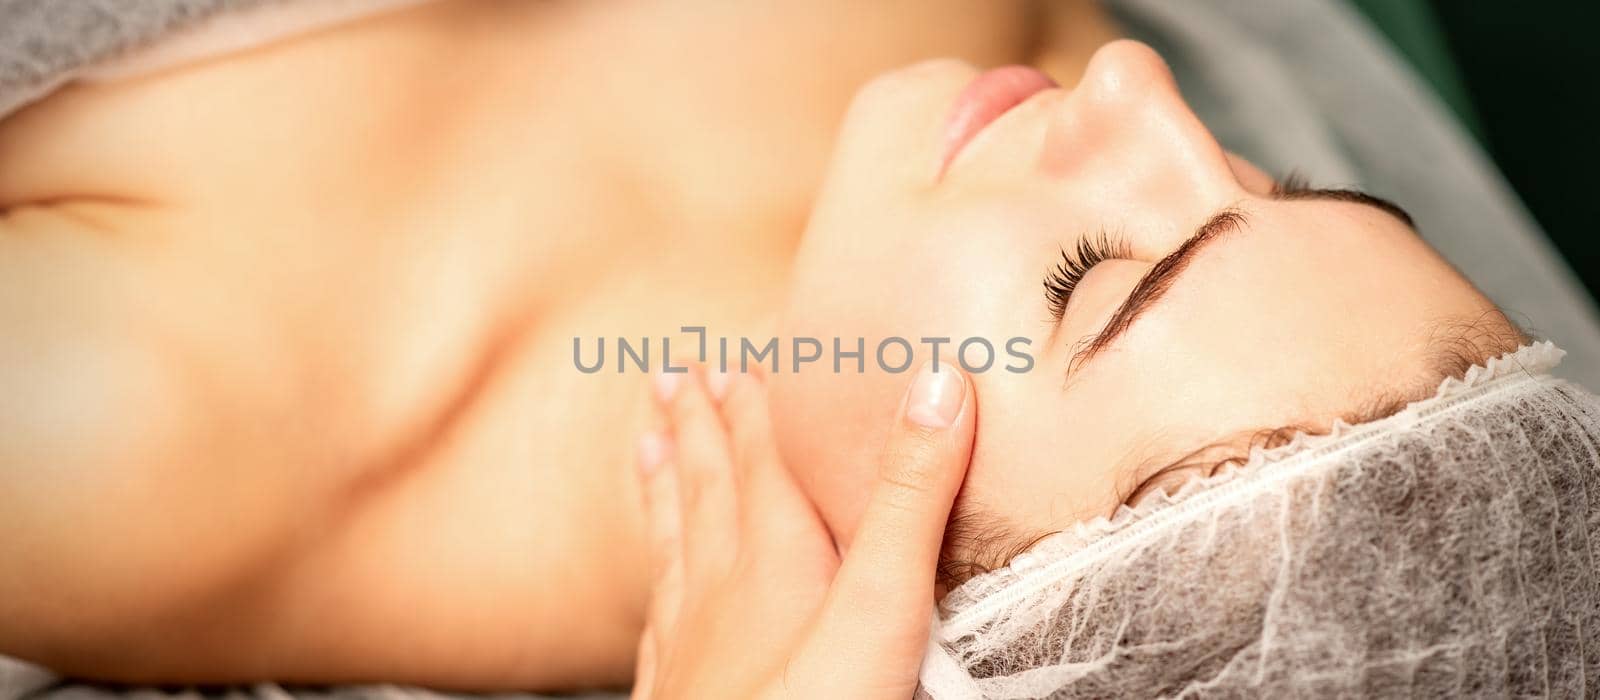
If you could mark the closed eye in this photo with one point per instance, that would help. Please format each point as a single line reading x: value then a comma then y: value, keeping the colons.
x: 1061, y: 280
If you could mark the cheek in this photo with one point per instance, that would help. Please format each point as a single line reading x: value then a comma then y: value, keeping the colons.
x: 829, y: 428
x: 828, y: 425
x: 955, y: 273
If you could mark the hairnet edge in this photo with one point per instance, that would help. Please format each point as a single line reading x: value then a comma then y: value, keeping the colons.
x: 1526, y: 367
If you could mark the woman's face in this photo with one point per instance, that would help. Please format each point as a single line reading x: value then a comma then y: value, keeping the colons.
x: 1200, y: 327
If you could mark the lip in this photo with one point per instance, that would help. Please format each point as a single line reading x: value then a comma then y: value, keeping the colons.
x: 987, y: 97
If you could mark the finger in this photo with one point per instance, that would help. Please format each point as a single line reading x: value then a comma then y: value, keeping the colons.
x: 747, y: 416
x: 658, y: 483
x: 884, y: 589
x: 705, y: 472
x: 664, y: 525
x: 718, y: 382
x: 757, y: 370
x: 770, y: 502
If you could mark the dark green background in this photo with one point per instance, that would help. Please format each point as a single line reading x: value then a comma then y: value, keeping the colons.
x: 1521, y: 75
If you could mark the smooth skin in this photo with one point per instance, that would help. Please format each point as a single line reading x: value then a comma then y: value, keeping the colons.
x: 286, y: 386
x: 750, y: 597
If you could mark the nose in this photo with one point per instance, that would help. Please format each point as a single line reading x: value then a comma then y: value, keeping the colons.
x: 1128, y: 151
x: 1127, y: 70
x: 1127, y: 111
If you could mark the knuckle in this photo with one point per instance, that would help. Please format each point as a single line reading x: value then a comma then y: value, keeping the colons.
x: 912, y: 464
x: 903, y: 496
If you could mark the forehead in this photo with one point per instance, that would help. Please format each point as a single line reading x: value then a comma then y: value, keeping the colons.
x: 1309, y: 281
x: 1298, y: 262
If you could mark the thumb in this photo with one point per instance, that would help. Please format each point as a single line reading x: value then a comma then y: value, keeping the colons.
x: 885, y: 586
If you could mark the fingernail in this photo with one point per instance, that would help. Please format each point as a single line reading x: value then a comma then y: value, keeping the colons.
x: 666, y: 385
x: 717, y: 381
x: 652, y: 452
x: 935, y: 396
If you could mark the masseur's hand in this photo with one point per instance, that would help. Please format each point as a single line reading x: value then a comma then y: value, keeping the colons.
x: 751, y: 599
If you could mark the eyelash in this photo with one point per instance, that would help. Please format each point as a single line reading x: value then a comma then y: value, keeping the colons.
x: 1060, y: 280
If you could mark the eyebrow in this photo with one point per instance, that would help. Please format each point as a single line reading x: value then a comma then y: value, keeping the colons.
x: 1338, y: 194
x: 1155, y: 283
